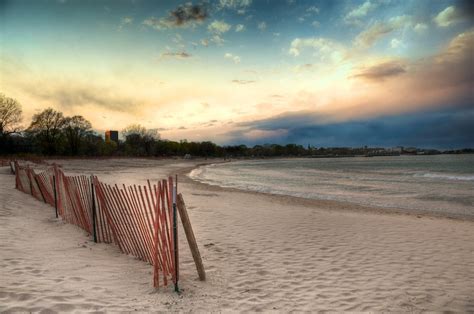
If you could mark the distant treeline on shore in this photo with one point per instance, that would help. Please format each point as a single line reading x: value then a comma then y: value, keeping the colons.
x: 140, y: 145
x: 50, y: 133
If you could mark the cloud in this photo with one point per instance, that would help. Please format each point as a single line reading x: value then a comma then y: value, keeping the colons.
x: 234, y: 58
x: 175, y: 55
x: 158, y: 24
x: 442, y: 81
x: 218, y: 27
x: 262, y: 26
x: 218, y: 40
x: 378, y: 30
x: 420, y: 28
x: 127, y: 20
x: 449, y: 128
x: 449, y: 16
x: 396, y: 43
x: 239, y: 28
x: 242, y: 82
x: 75, y: 96
x: 234, y: 4
x: 188, y: 13
x: 458, y: 51
x: 315, y: 24
x: 313, y: 9
x: 382, y: 71
x: 354, y: 16
x: 324, y: 48
x: 183, y: 16
x: 303, y: 67
x: 269, y: 135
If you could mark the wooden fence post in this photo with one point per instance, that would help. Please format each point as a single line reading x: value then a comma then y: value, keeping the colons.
x: 175, y: 240
x: 93, y: 209
x: 183, y: 213
x: 55, y: 196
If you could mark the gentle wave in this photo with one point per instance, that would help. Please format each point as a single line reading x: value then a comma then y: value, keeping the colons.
x: 445, y: 176
x: 441, y: 184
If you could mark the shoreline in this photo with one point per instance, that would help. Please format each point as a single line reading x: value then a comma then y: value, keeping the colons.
x: 334, y: 205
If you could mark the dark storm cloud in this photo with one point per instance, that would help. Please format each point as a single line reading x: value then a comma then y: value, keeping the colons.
x: 450, y: 128
x: 467, y: 8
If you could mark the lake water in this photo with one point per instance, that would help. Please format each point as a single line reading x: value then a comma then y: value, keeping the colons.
x: 441, y: 183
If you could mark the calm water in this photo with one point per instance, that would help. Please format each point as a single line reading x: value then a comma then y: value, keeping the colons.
x: 442, y: 183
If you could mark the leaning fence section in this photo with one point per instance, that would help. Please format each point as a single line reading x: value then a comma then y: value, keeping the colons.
x: 139, y: 219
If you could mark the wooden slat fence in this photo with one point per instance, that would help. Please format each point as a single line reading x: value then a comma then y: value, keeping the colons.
x: 137, y: 218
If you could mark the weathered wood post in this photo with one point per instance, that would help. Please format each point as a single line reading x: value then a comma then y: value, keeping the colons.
x: 183, y: 213
x: 55, y: 196
x: 175, y: 236
x: 94, y: 215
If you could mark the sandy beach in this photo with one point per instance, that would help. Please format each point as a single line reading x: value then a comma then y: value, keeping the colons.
x: 260, y: 252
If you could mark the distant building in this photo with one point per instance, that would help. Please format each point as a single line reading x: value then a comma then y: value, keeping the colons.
x: 111, y: 136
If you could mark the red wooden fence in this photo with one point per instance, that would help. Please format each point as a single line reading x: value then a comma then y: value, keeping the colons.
x: 139, y: 219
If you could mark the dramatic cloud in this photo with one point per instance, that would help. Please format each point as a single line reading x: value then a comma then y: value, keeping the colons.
x: 218, y: 27
x: 431, y: 129
x: 183, y: 16
x: 381, y: 71
x: 234, y: 58
x: 378, y: 30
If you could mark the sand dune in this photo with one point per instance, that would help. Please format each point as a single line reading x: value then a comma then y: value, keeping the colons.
x: 261, y: 253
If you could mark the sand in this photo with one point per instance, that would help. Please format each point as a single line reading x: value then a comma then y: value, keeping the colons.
x: 261, y: 253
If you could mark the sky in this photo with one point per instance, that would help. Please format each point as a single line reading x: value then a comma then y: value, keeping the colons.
x: 323, y: 73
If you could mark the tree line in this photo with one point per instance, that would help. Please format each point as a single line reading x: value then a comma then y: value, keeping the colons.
x: 51, y: 133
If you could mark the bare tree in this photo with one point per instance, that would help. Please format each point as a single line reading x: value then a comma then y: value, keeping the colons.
x: 139, y: 140
x: 46, y: 126
x: 10, y: 115
x: 141, y: 131
x: 76, y: 128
